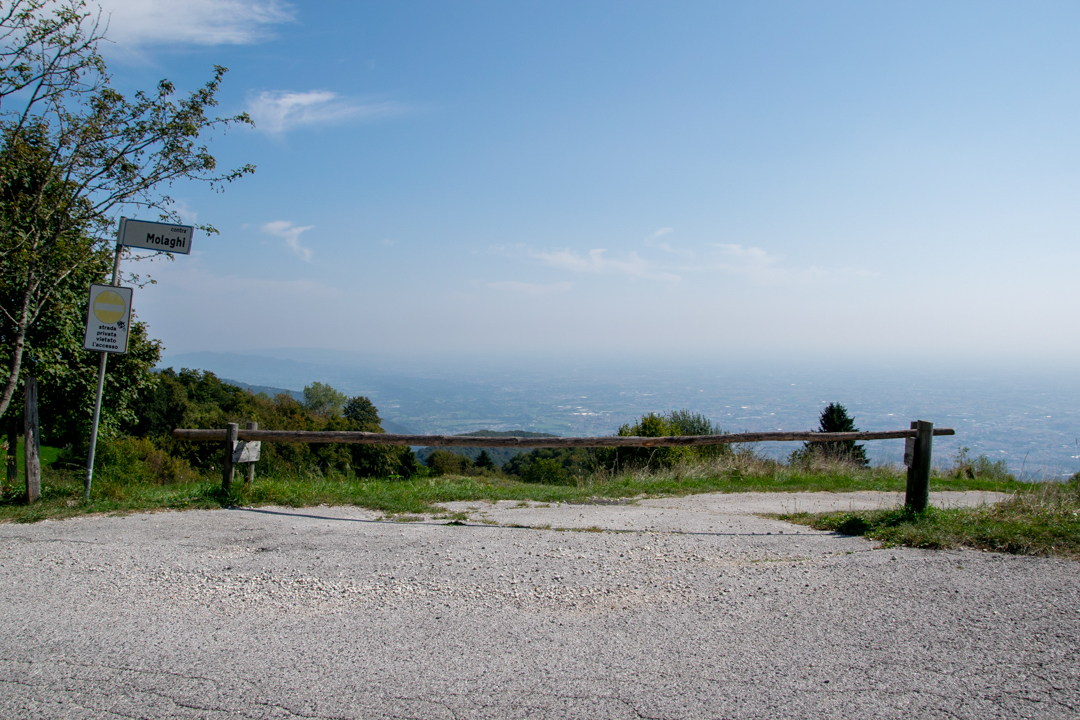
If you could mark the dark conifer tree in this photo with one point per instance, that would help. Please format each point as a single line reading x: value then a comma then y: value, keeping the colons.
x: 484, y: 461
x: 834, y: 418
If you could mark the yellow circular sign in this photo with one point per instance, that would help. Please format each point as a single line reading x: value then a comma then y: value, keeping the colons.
x: 109, y: 307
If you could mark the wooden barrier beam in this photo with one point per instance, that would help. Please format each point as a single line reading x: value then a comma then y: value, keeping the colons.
x: 367, y: 438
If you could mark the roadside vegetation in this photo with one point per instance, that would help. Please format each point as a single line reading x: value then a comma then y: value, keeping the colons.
x: 142, y: 468
x: 143, y: 479
x: 1038, y: 519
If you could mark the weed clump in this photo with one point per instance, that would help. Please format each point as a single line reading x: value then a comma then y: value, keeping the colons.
x: 981, y: 467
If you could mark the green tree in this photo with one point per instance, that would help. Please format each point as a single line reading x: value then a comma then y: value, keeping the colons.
x: 74, y: 152
x: 484, y: 461
x: 363, y: 412
x: 322, y: 399
x: 375, y: 460
x: 67, y: 374
x: 834, y: 418
x: 197, y: 399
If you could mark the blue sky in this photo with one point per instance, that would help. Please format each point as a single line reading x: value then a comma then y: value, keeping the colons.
x: 698, y: 180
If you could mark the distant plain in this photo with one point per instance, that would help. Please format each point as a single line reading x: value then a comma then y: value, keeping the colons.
x: 1031, y: 419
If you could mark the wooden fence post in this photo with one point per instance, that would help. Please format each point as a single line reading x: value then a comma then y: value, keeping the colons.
x: 13, y: 449
x: 918, y: 476
x: 31, y: 442
x: 232, y: 429
x: 251, y: 465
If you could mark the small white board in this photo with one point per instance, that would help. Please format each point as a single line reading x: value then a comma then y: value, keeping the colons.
x: 108, y: 319
x: 246, y: 451
x: 156, y: 236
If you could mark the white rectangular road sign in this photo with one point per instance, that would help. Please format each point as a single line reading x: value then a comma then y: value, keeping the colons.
x: 108, y: 320
x: 156, y: 236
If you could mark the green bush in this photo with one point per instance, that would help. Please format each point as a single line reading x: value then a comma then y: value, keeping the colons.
x: 139, y: 460
x: 575, y: 463
x: 444, y: 462
x: 670, y: 424
x: 547, y: 471
x: 198, y: 399
x: 981, y: 467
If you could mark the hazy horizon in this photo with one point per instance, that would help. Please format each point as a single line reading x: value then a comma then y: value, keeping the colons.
x: 1028, y: 419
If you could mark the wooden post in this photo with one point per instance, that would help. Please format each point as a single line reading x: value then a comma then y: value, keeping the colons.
x: 918, y: 476
x: 31, y: 442
x: 13, y: 449
x: 251, y: 465
x: 231, y: 433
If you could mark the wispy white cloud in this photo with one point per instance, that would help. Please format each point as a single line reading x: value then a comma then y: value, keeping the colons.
x: 654, y: 241
x: 595, y: 261
x: 290, y: 233
x: 764, y: 267
x: 144, y: 24
x: 276, y: 111
x: 741, y: 258
x: 525, y: 288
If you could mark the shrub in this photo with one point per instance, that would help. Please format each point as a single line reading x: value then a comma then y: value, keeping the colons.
x: 139, y: 460
x: 548, y: 471
x: 197, y: 399
x: 575, y: 463
x: 444, y: 462
x: 673, y: 423
x: 981, y: 467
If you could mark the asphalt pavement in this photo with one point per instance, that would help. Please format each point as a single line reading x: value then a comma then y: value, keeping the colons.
x: 668, y: 608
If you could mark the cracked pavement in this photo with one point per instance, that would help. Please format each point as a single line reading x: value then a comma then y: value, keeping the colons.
x: 669, y: 608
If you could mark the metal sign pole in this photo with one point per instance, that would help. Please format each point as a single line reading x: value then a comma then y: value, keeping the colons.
x: 101, y: 376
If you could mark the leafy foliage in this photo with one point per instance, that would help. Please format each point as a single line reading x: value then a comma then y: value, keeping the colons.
x: 444, y: 462
x: 197, y: 399
x: 555, y: 466
x: 361, y: 411
x: 322, y: 399
x: 670, y: 424
x: 980, y: 467
x: 67, y: 374
x: 74, y: 152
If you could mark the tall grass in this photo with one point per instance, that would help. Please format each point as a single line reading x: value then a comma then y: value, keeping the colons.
x: 1039, y: 519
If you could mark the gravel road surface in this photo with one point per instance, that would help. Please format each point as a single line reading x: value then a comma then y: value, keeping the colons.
x: 671, y: 608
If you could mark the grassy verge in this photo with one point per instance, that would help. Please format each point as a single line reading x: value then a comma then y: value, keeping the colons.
x: 1040, y: 519
x: 113, y: 493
